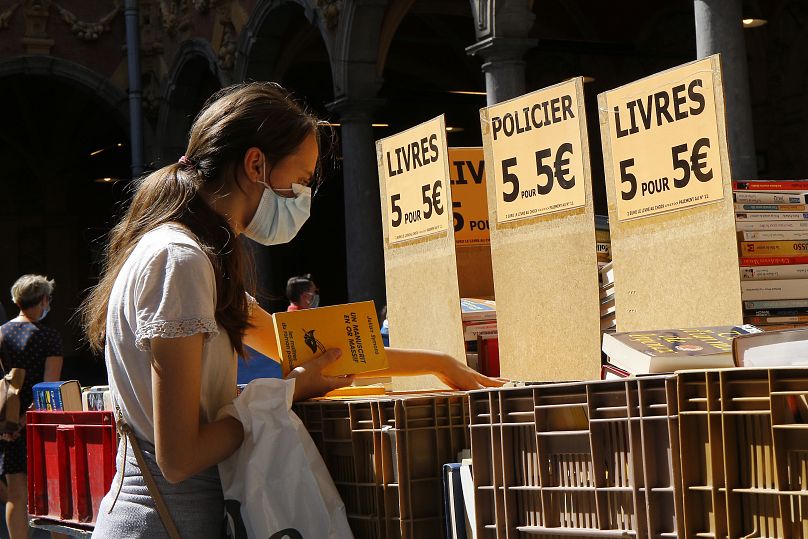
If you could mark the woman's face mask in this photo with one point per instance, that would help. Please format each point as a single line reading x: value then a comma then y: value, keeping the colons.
x: 278, y: 219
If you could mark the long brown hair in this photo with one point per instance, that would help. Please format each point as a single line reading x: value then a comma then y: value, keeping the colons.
x: 239, y: 117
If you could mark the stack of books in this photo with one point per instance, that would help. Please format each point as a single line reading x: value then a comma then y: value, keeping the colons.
x: 608, y: 321
x: 604, y: 240
x: 771, y: 218
x: 479, y: 316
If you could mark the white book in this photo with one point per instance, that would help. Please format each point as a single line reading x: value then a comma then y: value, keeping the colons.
x: 772, y: 348
x: 771, y: 225
x: 766, y: 197
x: 770, y: 273
x: 467, y: 483
x: 776, y: 235
x: 770, y: 216
x: 774, y: 289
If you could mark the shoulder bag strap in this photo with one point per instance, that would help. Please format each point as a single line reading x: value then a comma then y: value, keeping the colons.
x: 162, y: 509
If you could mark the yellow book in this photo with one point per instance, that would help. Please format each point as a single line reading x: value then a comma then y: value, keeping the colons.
x: 353, y: 328
x: 756, y: 249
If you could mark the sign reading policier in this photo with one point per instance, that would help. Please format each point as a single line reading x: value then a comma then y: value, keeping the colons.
x: 413, y: 167
x: 662, y: 135
x: 538, y: 163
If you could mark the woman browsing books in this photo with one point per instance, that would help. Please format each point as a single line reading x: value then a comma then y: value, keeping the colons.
x: 171, y: 309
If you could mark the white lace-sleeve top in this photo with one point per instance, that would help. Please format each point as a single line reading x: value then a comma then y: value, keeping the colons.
x: 166, y: 288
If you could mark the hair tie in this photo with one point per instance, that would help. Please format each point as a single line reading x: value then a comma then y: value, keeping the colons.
x: 184, y: 161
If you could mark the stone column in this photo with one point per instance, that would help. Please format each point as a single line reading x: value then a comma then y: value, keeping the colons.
x: 503, y: 66
x: 363, y: 222
x: 719, y: 29
x: 502, y: 28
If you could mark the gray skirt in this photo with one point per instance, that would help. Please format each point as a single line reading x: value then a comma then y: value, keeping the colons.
x: 196, y: 504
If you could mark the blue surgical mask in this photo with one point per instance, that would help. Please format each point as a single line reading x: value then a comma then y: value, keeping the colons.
x: 278, y: 219
x: 315, y: 301
x: 45, y: 312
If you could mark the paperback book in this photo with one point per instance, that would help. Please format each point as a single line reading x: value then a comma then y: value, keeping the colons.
x: 669, y: 350
x: 353, y: 328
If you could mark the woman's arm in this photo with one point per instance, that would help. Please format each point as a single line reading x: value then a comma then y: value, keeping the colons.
x: 451, y: 372
x: 53, y: 369
x: 184, y: 446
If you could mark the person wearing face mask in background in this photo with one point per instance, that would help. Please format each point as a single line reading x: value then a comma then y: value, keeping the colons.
x: 302, y: 293
x: 25, y: 342
x: 172, y: 309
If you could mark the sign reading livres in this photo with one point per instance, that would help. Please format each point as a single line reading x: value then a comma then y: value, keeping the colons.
x: 663, y: 138
x: 469, y: 200
x: 413, y: 166
x: 536, y: 148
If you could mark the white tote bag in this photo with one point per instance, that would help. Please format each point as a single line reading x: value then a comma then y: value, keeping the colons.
x: 276, y: 485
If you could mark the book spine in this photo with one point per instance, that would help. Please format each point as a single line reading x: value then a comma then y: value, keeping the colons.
x: 771, y: 207
x: 776, y: 312
x: 770, y: 216
x: 776, y: 319
x: 769, y: 290
x: 57, y: 395
x: 758, y: 249
x: 775, y: 235
x: 769, y: 273
x: 478, y: 316
x: 772, y: 260
x: 776, y: 304
x: 771, y: 225
x: 37, y: 399
x: 774, y: 248
x: 756, y: 197
x: 765, y: 185
x: 472, y: 331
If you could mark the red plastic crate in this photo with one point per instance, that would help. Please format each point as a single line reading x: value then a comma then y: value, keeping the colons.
x: 71, y: 463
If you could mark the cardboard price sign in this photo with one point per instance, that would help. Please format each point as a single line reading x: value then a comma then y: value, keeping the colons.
x: 414, y: 167
x: 538, y: 162
x: 469, y: 201
x: 661, y: 143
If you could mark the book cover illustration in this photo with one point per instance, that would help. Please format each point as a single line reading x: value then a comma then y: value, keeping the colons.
x: 684, y: 342
x: 353, y: 328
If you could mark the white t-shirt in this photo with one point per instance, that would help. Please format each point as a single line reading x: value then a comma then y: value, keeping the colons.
x: 166, y: 288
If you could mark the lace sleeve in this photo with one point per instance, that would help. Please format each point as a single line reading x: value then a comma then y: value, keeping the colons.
x: 169, y: 329
x: 177, y: 295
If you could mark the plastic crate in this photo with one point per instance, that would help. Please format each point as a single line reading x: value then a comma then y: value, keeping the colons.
x: 584, y: 459
x: 386, y: 455
x: 71, y: 463
x: 745, y: 452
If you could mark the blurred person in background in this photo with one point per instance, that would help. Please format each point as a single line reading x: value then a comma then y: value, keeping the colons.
x: 302, y: 293
x: 28, y: 344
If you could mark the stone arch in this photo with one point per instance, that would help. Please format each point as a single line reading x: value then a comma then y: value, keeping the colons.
x: 193, y: 77
x: 75, y: 75
x: 251, y: 35
x: 356, y: 58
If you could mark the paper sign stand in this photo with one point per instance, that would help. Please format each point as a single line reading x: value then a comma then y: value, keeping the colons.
x: 470, y: 209
x: 677, y: 269
x: 474, y: 273
x: 546, y: 283
x: 423, y: 306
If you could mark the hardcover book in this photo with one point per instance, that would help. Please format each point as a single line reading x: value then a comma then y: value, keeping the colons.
x: 58, y: 396
x: 668, y: 350
x: 353, y: 328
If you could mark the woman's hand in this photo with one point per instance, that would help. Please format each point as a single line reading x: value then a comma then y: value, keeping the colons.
x: 453, y: 373
x: 310, y: 381
x: 458, y: 375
